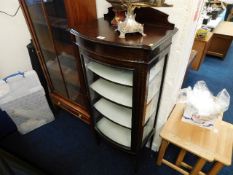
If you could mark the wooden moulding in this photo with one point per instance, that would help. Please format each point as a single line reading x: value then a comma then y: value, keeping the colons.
x: 77, y: 12
x: 156, y: 26
x: 71, y: 107
x: 146, y: 15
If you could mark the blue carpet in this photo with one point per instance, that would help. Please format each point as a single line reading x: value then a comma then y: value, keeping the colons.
x: 67, y: 147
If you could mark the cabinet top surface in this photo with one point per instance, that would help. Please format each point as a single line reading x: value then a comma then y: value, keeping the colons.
x: 224, y: 28
x: 210, y: 144
x: 101, y: 31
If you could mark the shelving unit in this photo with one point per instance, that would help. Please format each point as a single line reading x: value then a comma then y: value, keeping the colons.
x: 125, y: 77
x: 112, y: 98
x: 49, y: 23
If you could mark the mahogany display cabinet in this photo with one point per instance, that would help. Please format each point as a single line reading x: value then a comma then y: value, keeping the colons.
x: 49, y: 22
x: 125, y: 76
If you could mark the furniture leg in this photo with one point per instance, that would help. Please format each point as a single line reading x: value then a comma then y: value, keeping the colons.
x: 180, y: 157
x: 198, y: 167
x: 162, y: 151
x: 216, y: 168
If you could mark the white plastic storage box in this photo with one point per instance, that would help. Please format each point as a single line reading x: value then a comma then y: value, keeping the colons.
x: 25, y: 102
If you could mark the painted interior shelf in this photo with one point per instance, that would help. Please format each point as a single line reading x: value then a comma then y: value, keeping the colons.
x: 121, y: 76
x: 114, y: 92
x: 114, y: 112
x: 114, y: 132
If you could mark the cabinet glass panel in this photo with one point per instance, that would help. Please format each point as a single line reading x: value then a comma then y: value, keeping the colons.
x: 148, y: 128
x: 153, y: 92
x: 63, y: 43
x: 45, y: 40
x: 111, y: 97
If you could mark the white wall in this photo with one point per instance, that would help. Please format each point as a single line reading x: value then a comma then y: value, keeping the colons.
x: 182, y: 15
x: 14, y: 36
x: 102, y: 7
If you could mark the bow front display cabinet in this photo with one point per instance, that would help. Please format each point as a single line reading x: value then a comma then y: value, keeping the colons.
x: 125, y: 76
x: 49, y: 22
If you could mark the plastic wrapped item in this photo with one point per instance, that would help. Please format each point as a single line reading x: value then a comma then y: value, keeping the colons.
x: 25, y: 102
x: 223, y: 100
x: 202, y: 107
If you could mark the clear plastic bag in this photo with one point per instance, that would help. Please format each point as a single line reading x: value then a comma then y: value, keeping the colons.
x: 223, y: 100
x: 202, y: 107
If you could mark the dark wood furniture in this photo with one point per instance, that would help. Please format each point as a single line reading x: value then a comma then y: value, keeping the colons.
x: 125, y: 77
x: 201, y: 46
x: 49, y: 23
x: 222, y: 39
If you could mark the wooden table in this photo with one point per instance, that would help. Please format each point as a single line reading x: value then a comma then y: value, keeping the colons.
x: 208, y: 145
x: 222, y: 39
x: 201, y: 46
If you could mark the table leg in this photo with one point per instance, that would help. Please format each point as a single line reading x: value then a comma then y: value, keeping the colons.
x: 180, y: 157
x: 162, y: 151
x: 198, y: 167
x: 216, y: 168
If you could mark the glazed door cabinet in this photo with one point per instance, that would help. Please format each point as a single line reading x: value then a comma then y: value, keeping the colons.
x: 124, y: 98
x: 49, y: 22
x: 125, y: 77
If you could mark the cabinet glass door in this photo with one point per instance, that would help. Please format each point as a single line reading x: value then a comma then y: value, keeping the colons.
x: 64, y: 46
x: 152, y: 93
x: 41, y: 28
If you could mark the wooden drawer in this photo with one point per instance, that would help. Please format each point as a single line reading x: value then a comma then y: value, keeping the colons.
x: 71, y: 107
x: 222, y: 39
x: 220, y: 45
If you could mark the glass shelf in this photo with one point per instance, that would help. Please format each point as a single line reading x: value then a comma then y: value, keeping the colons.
x: 114, y: 112
x: 154, y: 86
x: 114, y: 132
x: 156, y: 69
x: 116, y: 75
x: 54, y: 22
x: 147, y: 129
x: 151, y: 107
x: 114, y: 92
x: 69, y: 73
